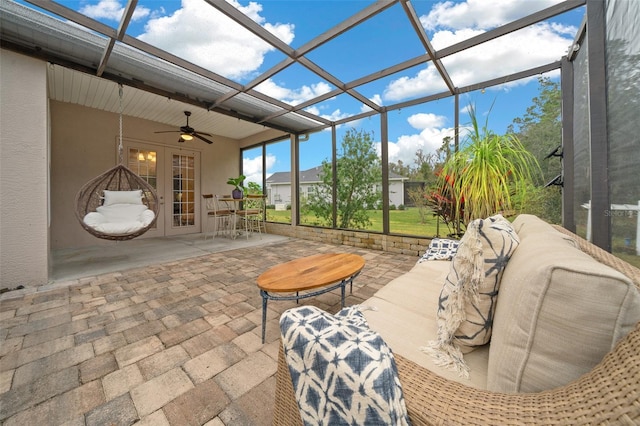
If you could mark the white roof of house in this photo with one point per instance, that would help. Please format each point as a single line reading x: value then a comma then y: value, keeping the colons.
x: 311, y: 175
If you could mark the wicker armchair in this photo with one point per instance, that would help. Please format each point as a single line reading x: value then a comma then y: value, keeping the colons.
x: 608, y: 394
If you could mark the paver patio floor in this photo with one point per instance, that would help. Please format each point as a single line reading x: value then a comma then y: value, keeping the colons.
x: 175, y: 343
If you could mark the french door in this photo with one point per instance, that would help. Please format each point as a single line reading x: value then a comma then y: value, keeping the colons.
x: 175, y: 174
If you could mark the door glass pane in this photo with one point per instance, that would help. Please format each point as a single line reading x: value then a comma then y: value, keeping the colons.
x: 183, y: 190
x: 143, y: 163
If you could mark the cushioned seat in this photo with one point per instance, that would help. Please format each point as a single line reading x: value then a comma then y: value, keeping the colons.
x: 410, y: 303
x: 122, y: 212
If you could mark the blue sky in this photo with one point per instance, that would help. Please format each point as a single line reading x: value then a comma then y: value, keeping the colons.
x: 195, y: 31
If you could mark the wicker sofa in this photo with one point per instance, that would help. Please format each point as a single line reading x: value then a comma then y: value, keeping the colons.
x: 607, y: 392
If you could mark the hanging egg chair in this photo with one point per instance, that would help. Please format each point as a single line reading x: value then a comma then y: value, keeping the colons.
x: 117, y: 205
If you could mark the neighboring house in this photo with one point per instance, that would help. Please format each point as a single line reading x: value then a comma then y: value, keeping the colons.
x: 279, y: 186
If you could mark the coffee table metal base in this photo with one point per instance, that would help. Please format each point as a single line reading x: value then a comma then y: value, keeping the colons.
x: 266, y: 296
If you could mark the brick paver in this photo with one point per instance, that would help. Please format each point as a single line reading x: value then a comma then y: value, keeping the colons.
x: 177, y: 343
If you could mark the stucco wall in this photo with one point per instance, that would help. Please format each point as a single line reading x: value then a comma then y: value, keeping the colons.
x: 23, y: 171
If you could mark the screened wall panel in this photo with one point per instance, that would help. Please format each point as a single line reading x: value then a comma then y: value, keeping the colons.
x: 623, y: 97
x: 278, y: 178
x: 359, y: 175
x: 582, y: 155
x: 315, y: 159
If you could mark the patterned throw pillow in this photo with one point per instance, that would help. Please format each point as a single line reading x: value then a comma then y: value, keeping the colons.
x: 343, y: 373
x: 468, y: 298
x: 440, y: 249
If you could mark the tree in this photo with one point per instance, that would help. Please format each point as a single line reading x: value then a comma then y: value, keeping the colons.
x: 358, y: 180
x: 400, y: 169
x: 540, y: 131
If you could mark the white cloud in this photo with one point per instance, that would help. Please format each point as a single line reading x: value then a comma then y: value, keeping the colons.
x: 480, y: 14
x: 113, y: 10
x: 227, y: 49
x: 423, y: 120
x: 333, y: 116
x: 512, y: 53
x: 252, y: 168
x: 429, y: 139
x: 427, y: 81
x: 291, y: 96
x: 377, y: 99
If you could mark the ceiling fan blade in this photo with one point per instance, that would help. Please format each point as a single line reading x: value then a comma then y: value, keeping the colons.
x: 197, y: 135
x: 187, y: 131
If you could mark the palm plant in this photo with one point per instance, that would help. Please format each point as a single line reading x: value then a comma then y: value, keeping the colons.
x: 487, y: 173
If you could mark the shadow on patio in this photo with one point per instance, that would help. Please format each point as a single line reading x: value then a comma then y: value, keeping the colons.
x: 174, y: 342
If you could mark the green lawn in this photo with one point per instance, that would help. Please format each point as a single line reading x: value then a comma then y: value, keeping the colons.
x: 400, y: 221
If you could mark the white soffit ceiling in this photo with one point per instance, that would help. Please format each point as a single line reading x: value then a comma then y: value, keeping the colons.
x: 66, y: 85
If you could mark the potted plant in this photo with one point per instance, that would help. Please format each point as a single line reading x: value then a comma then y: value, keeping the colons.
x: 488, y: 173
x: 237, y: 183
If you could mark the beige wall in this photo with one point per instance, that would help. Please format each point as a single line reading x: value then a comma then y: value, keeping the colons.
x: 23, y: 171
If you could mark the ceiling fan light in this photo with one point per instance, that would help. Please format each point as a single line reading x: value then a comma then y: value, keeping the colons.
x: 186, y: 136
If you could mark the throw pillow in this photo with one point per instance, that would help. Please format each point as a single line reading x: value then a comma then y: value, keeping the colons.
x: 440, y: 249
x: 468, y: 298
x: 343, y: 373
x: 122, y: 197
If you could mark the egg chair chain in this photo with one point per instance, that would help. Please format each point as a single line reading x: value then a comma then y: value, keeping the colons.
x: 119, y: 204
x: 120, y: 148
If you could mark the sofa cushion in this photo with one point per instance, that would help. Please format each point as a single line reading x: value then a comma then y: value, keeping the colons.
x: 405, y: 317
x: 528, y: 224
x: 559, y: 312
x: 467, y: 301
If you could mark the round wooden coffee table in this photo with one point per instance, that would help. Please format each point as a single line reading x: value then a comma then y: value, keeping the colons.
x: 313, y: 275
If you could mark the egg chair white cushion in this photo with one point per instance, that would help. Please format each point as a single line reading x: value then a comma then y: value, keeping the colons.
x: 117, y: 219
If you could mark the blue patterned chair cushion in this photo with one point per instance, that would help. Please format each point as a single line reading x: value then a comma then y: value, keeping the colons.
x: 343, y: 373
x: 468, y: 298
x: 440, y: 249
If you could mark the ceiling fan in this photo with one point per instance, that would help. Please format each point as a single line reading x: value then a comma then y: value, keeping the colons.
x: 187, y: 133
